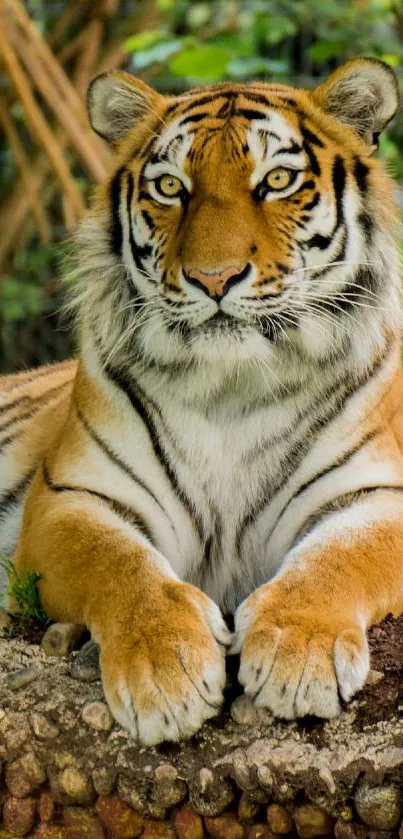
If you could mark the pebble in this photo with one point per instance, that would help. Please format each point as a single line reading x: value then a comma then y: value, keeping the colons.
x: 21, y: 678
x: 278, y: 819
x: 85, y: 666
x: 188, y: 823
x: 158, y: 830
x: 350, y: 831
x: 46, y: 806
x: 224, y: 827
x: 211, y: 796
x: 379, y: 806
x: 24, y: 775
x: 247, y: 809
x: 19, y: 815
x: 61, y: 638
x: 260, y: 831
x: 49, y: 831
x: 75, y: 784
x: 119, y: 818
x: 81, y: 823
x: 169, y: 789
x: 311, y: 821
x: 43, y: 728
x: 97, y: 715
x: 104, y: 780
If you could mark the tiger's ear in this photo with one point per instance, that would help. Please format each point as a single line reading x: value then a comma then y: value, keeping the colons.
x: 117, y: 101
x: 363, y: 94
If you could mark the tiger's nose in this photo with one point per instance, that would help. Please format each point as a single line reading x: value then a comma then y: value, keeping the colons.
x: 216, y: 283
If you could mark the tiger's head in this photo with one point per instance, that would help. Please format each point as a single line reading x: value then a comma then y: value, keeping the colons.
x: 240, y: 217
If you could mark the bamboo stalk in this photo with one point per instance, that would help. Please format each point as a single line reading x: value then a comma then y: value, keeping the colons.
x: 38, y: 124
x: 71, y: 48
x: 27, y: 178
x: 50, y: 62
x: 89, y: 53
x: 55, y: 73
x: 79, y: 138
x: 67, y: 18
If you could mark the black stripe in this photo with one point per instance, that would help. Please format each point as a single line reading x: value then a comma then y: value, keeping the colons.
x: 347, y: 297
x: 249, y: 113
x: 10, y: 439
x: 122, y: 510
x: 138, y: 253
x: 333, y: 466
x: 313, y: 160
x: 14, y: 496
x: 138, y: 401
x: 28, y: 376
x: 310, y: 137
x: 365, y: 221
x: 333, y: 402
x: 361, y: 175
x: 336, y: 505
x: 111, y: 454
x: 339, y: 183
x: 312, y: 204
x: 294, y: 148
x: 195, y: 118
x: 148, y: 219
x: 116, y: 232
x: 29, y: 401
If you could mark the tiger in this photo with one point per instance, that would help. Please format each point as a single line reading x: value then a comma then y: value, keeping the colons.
x: 229, y: 439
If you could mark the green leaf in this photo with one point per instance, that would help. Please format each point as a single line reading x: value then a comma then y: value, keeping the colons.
x: 279, y: 27
x: 144, y: 40
x: 156, y: 55
x: 201, y: 62
x: 243, y: 68
x: 324, y: 50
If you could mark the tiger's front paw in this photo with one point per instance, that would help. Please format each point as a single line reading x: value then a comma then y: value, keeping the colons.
x: 297, y: 661
x: 163, y: 668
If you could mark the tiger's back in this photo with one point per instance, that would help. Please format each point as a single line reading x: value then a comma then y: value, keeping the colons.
x: 33, y: 408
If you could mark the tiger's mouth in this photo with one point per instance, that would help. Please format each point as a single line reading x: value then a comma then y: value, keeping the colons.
x: 223, y: 324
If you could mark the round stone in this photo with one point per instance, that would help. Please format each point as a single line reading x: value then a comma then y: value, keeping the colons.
x: 21, y: 678
x: 97, y: 715
x: 75, y: 784
x: 278, y: 819
x: 24, y: 775
x: 61, y: 638
x: 119, y: 818
x: 188, y: 823
x: 379, y: 806
x: 19, y: 815
x: 85, y: 666
x: 43, y: 728
x: 226, y: 826
x: 311, y: 821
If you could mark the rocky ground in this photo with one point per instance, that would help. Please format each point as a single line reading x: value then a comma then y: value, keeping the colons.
x: 68, y: 771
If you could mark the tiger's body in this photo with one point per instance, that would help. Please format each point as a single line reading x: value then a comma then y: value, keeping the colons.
x: 231, y: 437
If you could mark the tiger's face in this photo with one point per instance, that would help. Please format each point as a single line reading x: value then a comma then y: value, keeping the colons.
x: 244, y: 214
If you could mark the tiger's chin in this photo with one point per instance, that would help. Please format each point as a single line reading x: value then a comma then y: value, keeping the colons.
x: 229, y: 340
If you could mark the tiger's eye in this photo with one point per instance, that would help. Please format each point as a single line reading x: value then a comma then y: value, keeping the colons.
x: 169, y: 185
x: 279, y: 178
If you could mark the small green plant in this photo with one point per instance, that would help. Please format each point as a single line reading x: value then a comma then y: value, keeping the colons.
x: 23, y: 587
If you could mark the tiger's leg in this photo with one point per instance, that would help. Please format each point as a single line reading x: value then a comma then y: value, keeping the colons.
x: 162, y: 641
x: 302, y: 637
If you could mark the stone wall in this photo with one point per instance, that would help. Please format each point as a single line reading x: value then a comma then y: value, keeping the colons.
x: 68, y: 771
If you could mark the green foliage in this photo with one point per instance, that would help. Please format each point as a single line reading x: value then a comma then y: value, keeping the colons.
x: 23, y: 588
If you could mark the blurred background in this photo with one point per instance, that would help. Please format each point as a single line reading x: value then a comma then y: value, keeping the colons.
x: 49, y: 158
